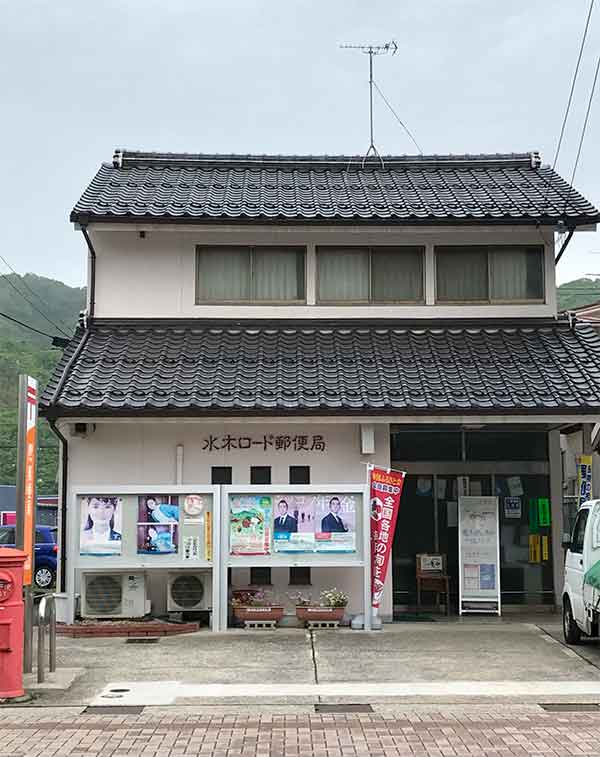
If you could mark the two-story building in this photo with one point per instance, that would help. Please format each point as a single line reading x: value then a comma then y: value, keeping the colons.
x: 275, y: 321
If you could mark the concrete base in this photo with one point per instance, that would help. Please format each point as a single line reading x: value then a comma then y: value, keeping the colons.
x: 61, y: 680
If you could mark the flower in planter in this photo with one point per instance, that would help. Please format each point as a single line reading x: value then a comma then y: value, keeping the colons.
x: 253, y: 598
x: 333, y: 598
x: 301, y: 600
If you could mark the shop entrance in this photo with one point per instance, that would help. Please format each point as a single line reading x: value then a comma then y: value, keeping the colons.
x: 428, y: 522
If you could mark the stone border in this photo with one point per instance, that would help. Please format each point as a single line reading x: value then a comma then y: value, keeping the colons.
x: 124, y: 630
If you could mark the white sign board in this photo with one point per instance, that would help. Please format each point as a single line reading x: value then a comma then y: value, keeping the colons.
x: 478, y: 555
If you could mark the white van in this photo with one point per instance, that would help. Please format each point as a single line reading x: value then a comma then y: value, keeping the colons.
x: 581, y: 602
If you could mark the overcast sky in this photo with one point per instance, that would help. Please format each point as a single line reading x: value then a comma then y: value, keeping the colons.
x: 79, y: 78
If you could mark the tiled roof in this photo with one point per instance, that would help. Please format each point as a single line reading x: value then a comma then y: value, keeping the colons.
x: 191, y: 368
x: 437, y: 188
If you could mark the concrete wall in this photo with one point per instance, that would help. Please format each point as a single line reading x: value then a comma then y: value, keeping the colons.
x: 154, y: 277
x: 137, y: 453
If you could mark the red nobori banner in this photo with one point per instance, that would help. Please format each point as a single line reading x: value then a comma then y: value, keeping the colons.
x: 385, y: 492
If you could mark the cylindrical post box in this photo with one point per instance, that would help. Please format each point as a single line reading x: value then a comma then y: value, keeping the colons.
x: 11, y: 622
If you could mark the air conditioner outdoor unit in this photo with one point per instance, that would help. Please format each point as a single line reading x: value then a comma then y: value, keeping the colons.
x: 189, y: 591
x: 114, y: 595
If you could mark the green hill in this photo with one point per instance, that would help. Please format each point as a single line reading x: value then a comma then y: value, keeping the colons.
x: 23, y: 351
x: 575, y: 294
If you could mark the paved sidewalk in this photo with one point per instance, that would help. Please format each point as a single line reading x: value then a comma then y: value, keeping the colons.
x: 177, y: 732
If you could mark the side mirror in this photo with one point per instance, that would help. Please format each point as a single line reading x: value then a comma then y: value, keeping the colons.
x: 566, y: 542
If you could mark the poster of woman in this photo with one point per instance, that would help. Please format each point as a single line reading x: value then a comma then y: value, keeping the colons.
x: 294, y: 523
x: 335, y: 516
x: 100, y: 526
x: 157, y: 539
x: 158, y: 508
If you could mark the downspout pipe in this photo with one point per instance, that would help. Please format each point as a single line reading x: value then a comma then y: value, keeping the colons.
x: 92, y: 251
x: 64, y: 476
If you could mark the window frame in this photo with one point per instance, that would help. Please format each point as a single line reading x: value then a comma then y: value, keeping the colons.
x: 370, y: 249
x: 489, y: 248
x: 252, y: 249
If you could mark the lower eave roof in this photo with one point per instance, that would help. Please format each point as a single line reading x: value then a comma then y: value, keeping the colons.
x: 195, y: 368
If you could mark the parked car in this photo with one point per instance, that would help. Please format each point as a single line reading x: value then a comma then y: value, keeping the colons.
x: 46, y: 553
x: 581, y: 592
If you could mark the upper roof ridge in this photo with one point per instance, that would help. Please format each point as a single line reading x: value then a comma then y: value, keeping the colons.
x: 123, y: 158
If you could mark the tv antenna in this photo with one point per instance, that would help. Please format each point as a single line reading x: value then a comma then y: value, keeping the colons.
x: 371, y: 50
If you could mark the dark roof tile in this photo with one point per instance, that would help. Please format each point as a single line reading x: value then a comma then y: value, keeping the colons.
x: 132, y: 367
x: 492, y: 188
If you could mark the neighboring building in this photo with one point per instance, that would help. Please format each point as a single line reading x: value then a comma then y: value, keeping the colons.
x: 46, y: 507
x: 267, y: 319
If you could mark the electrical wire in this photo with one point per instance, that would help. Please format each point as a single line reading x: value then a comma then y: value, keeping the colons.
x: 574, y: 81
x: 25, y: 325
x: 570, y: 98
x: 29, y: 289
x: 14, y: 286
x: 583, y: 130
x: 397, y: 117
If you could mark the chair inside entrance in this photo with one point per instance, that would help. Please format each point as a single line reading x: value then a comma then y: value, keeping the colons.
x: 431, y: 576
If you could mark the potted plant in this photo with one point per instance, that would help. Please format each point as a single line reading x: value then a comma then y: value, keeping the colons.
x: 330, y: 608
x: 255, y: 604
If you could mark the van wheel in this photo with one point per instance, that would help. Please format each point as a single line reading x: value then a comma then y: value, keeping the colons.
x: 571, y: 630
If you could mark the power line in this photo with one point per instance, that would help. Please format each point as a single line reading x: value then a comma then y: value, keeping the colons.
x: 13, y: 285
x: 576, y: 73
x: 29, y: 289
x: 397, y: 117
x: 583, y: 130
x: 570, y: 99
x: 25, y: 325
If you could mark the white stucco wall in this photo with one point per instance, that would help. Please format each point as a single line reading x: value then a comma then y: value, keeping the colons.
x: 144, y: 453
x: 154, y: 277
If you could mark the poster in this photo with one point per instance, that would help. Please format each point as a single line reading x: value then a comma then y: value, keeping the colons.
x: 158, y: 524
x: 100, y: 532
x: 512, y: 508
x: 294, y: 523
x: 385, y: 490
x: 250, y: 524
x: 479, y: 558
x: 335, y: 522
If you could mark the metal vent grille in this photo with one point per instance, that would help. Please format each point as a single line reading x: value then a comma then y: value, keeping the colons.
x: 187, y: 591
x: 104, y: 594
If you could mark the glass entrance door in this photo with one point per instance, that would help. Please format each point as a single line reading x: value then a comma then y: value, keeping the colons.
x: 415, y: 533
x: 428, y: 522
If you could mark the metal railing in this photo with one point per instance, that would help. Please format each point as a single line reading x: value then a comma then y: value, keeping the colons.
x: 46, y: 620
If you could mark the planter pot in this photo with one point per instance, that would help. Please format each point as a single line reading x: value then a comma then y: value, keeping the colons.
x: 320, y: 613
x: 258, y: 613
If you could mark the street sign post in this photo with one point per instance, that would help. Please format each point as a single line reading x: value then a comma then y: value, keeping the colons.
x: 25, y: 527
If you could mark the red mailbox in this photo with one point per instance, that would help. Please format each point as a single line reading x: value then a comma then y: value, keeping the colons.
x: 11, y: 622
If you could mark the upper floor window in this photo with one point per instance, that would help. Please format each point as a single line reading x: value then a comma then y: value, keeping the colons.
x: 369, y: 274
x: 250, y: 274
x: 489, y: 274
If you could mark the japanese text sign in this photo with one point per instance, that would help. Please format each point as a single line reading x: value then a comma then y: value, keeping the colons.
x: 385, y: 492
x: 584, y: 479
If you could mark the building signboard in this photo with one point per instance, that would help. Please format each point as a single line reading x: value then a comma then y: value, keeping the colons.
x: 479, y: 554
x: 27, y: 454
x: 584, y: 478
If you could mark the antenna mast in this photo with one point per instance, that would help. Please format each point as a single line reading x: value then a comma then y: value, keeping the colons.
x: 371, y: 50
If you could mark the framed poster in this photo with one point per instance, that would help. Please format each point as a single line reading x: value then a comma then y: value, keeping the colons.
x: 335, y: 522
x: 250, y: 524
x: 294, y: 523
x: 478, y: 555
x: 100, y: 525
x: 158, y: 524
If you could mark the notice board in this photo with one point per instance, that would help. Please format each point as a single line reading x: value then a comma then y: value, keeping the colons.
x: 478, y: 555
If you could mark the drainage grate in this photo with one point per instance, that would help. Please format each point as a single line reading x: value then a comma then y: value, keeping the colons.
x: 116, y: 709
x: 571, y: 707
x: 141, y: 640
x: 341, y: 708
